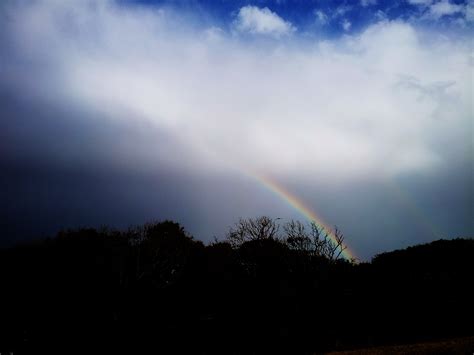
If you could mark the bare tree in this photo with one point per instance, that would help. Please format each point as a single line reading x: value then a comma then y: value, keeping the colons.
x: 313, y: 241
x: 296, y: 236
x: 316, y: 242
x: 253, y: 229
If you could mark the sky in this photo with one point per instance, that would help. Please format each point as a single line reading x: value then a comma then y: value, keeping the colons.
x: 120, y: 112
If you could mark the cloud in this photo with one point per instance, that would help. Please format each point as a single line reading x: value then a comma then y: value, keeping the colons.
x: 346, y: 24
x: 341, y: 10
x: 321, y: 17
x: 365, y: 3
x: 420, y: 2
x: 117, y: 113
x: 371, y: 105
x: 255, y: 20
x: 435, y: 10
x: 380, y: 16
x: 469, y: 11
x: 443, y: 8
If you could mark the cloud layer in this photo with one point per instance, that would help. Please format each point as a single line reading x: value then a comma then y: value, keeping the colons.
x: 389, y: 101
x: 366, y: 105
x: 255, y: 20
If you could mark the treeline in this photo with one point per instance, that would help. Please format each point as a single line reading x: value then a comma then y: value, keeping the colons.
x: 265, y: 288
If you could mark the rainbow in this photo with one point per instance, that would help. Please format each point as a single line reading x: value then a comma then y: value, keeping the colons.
x: 299, y: 205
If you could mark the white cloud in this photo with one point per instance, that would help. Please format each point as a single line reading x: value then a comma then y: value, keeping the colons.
x: 341, y: 10
x: 346, y: 24
x: 214, y: 33
x: 255, y: 20
x: 321, y: 17
x: 443, y: 8
x: 469, y: 11
x: 420, y: 2
x: 438, y: 9
x: 374, y: 104
x: 380, y: 15
x: 366, y: 3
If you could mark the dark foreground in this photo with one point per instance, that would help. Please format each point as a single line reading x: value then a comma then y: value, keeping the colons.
x: 451, y: 346
x: 157, y: 290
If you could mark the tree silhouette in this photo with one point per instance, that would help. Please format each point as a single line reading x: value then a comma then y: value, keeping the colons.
x: 162, y: 251
x: 316, y: 241
x: 250, y: 229
x: 267, y: 287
